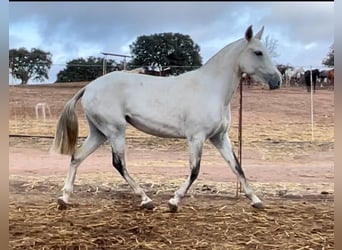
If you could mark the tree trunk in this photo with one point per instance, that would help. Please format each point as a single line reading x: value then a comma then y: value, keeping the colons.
x: 24, y: 81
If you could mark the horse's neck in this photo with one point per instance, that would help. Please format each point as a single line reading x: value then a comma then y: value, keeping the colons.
x: 223, y: 71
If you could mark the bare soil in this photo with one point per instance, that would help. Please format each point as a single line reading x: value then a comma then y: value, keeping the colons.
x: 289, y: 165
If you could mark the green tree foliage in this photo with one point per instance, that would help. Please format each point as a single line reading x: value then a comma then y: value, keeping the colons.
x: 166, y: 50
x: 329, y: 60
x: 24, y: 64
x: 78, y: 70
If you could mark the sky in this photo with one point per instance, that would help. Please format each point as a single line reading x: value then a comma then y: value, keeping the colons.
x: 304, y: 31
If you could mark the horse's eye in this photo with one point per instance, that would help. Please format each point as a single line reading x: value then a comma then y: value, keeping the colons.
x: 258, y: 53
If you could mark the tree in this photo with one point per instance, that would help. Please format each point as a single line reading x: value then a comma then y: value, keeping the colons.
x: 78, y: 70
x: 24, y: 64
x: 163, y: 50
x: 329, y: 60
x: 271, y: 45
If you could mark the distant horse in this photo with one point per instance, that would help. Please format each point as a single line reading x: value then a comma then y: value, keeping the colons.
x: 307, y: 78
x: 293, y: 75
x: 331, y: 77
x: 145, y: 70
x: 322, y: 77
x: 194, y: 106
x: 140, y: 70
x: 164, y: 72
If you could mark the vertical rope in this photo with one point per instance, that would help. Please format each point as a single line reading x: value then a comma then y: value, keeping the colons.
x: 238, y: 184
x: 311, y: 104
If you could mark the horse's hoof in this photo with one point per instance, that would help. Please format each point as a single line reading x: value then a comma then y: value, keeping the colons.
x: 173, y: 208
x: 62, y: 205
x: 148, y: 206
x: 258, y: 205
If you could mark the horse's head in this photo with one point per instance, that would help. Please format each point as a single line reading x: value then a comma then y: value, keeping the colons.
x: 256, y: 62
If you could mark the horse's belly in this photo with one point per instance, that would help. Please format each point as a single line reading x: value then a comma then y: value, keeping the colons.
x: 156, y: 128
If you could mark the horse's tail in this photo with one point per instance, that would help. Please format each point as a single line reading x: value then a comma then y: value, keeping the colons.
x: 67, y: 127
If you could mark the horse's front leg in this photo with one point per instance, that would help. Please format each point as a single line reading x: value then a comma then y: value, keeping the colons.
x: 195, y: 154
x: 224, y: 146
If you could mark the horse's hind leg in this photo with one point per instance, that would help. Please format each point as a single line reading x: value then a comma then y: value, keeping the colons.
x: 93, y: 141
x: 224, y: 146
x: 118, y: 152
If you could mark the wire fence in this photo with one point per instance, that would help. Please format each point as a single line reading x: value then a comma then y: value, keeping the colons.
x: 102, y: 69
x: 169, y: 69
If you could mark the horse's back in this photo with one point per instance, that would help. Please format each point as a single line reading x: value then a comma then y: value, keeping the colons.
x: 125, y: 88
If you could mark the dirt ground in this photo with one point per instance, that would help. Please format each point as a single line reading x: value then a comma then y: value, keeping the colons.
x: 291, y: 169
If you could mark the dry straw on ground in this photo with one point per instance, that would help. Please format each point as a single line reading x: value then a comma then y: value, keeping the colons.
x: 108, y: 217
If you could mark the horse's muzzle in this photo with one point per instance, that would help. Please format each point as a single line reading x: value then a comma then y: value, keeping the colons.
x: 274, y: 86
x: 274, y: 81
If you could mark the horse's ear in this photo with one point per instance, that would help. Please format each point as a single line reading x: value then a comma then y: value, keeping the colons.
x: 259, y: 34
x: 249, y: 33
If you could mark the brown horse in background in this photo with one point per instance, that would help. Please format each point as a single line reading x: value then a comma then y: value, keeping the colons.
x: 330, y: 77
